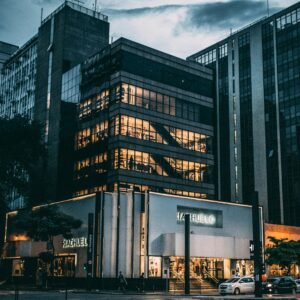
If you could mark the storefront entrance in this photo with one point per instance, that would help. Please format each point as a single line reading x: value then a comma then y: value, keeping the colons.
x: 201, y: 268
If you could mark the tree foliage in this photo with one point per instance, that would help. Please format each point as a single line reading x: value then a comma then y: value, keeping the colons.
x: 46, y: 222
x: 284, y: 253
x: 21, y: 150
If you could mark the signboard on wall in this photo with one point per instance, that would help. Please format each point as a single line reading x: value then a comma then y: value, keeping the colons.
x: 90, y: 246
x: 200, y: 216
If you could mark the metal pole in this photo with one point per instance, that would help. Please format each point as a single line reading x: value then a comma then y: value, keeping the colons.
x: 187, y: 254
x: 257, y: 245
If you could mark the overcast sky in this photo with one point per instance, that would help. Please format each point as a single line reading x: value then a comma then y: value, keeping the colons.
x: 179, y: 27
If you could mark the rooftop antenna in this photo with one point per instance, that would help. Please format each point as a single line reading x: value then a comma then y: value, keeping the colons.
x: 268, y: 11
x: 41, y: 15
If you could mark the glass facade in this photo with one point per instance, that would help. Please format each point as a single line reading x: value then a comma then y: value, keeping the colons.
x: 288, y: 70
x: 271, y: 121
x: 17, y: 83
x: 146, y: 130
x: 150, y: 163
x: 149, y: 133
x: 246, y: 127
x: 71, y: 85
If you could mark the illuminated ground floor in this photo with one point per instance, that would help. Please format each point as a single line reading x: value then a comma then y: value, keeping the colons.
x: 141, y: 233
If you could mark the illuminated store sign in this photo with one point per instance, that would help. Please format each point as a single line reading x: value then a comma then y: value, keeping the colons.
x: 80, y: 242
x: 200, y: 216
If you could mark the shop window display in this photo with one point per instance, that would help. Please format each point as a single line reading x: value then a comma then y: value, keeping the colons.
x: 155, y: 266
x: 64, y: 266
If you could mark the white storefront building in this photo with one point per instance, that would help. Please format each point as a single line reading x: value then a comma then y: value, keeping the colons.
x: 144, y: 233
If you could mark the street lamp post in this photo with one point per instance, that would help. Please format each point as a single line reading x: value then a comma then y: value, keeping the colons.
x: 187, y: 254
x: 257, y: 246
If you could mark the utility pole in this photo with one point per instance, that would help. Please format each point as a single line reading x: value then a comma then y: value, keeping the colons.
x: 257, y: 245
x: 187, y: 254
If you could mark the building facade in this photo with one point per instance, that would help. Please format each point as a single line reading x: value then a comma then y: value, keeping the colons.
x: 142, y: 233
x: 17, y: 81
x: 145, y: 123
x: 33, y: 85
x: 6, y: 50
x: 257, y: 84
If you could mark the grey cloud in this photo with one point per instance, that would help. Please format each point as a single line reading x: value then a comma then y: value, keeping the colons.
x: 225, y: 14
x: 141, y: 11
x: 217, y: 15
x: 46, y: 2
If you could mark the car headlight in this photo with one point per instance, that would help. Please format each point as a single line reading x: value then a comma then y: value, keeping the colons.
x: 269, y: 285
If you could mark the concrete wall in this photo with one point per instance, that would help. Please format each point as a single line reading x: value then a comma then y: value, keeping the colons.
x: 166, y: 236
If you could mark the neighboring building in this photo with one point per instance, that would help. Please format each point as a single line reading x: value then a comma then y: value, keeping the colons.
x: 258, y: 114
x: 33, y: 85
x: 17, y: 83
x: 6, y: 50
x: 146, y: 122
x: 67, y: 37
x: 142, y: 233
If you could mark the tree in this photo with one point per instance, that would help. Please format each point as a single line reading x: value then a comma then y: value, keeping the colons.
x: 284, y: 253
x: 43, y: 224
x: 21, y: 151
x: 46, y: 222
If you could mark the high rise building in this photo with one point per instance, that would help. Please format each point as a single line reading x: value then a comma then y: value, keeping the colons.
x: 17, y: 81
x: 32, y: 80
x: 6, y: 50
x: 258, y: 114
x: 145, y: 123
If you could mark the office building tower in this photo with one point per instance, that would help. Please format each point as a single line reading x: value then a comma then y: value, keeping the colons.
x: 258, y: 114
x: 32, y: 82
x: 145, y: 122
x: 6, y: 50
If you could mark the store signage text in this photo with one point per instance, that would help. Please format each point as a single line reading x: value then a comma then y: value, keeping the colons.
x: 79, y: 242
x: 200, y: 216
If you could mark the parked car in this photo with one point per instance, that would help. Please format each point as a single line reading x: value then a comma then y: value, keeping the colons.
x: 270, y: 286
x: 276, y: 285
x: 297, y: 285
x: 237, y: 285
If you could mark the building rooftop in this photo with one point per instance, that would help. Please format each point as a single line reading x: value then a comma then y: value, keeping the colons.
x: 80, y: 8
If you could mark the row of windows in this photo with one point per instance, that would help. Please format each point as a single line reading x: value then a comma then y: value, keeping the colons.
x: 210, y: 56
x: 145, y: 163
x: 137, y: 128
x: 207, y: 57
x: 90, y: 161
x: 147, y: 99
x: 288, y: 19
x: 70, y: 85
x: 143, y: 129
x: 89, y: 166
x: 86, y: 136
x: 96, y: 103
x: 82, y: 192
x: 244, y: 39
x: 125, y: 186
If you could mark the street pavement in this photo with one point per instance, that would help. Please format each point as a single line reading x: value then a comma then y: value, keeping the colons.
x: 114, y: 295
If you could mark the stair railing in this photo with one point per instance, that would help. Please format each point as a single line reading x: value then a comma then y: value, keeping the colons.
x: 208, y: 275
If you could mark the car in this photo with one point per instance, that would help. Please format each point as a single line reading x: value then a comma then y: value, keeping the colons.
x: 270, y: 286
x: 297, y: 285
x: 283, y: 284
x: 237, y: 285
